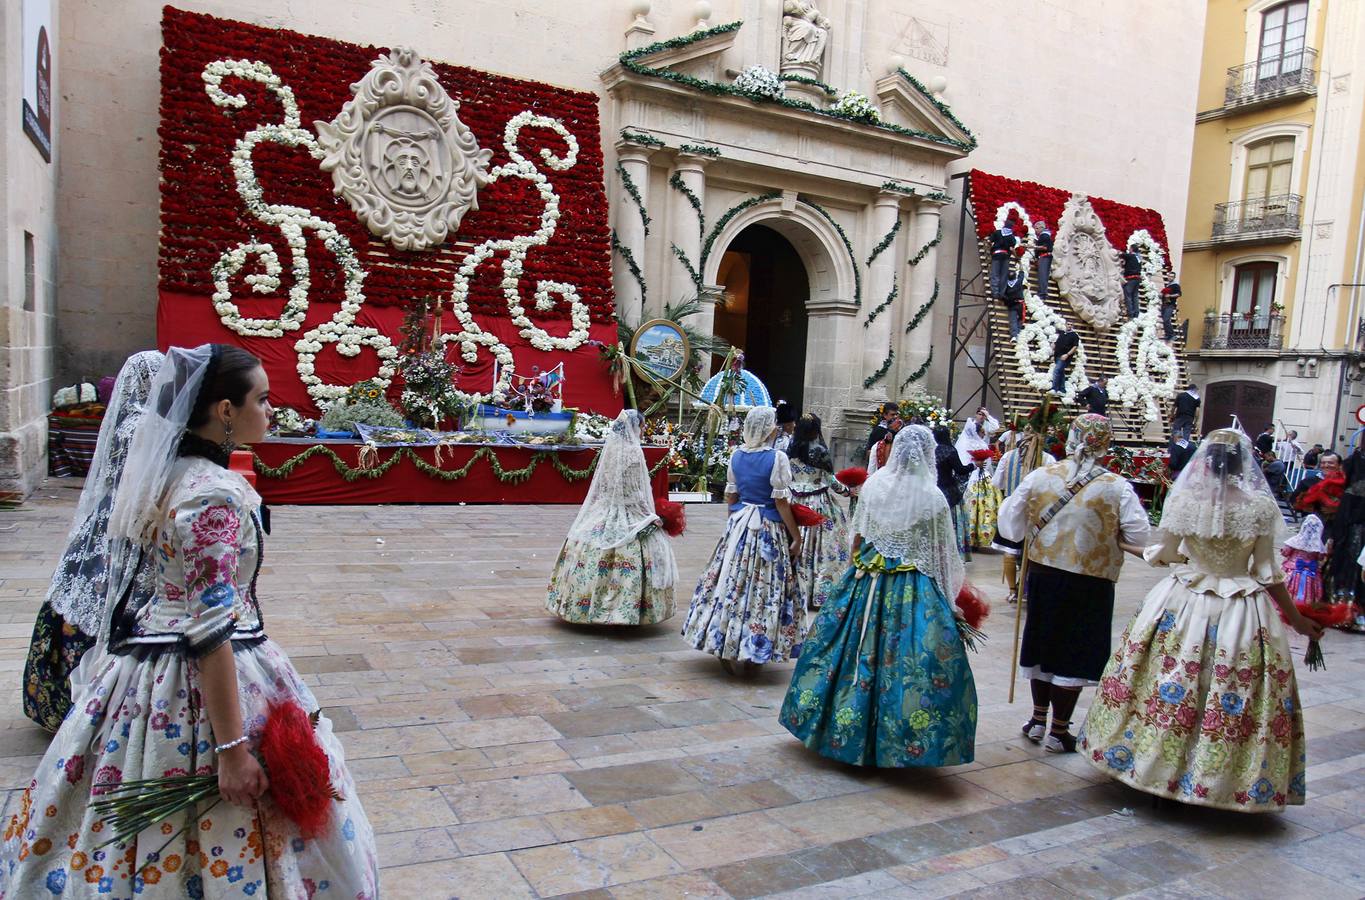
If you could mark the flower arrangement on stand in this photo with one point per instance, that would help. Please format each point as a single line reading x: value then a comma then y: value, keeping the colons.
x: 857, y: 105
x: 429, y: 394
x: 760, y: 82
x: 922, y: 407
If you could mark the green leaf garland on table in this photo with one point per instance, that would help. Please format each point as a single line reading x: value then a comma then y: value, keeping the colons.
x: 350, y: 473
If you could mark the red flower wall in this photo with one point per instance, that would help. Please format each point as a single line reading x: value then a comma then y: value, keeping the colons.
x: 202, y: 215
x: 1120, y: 220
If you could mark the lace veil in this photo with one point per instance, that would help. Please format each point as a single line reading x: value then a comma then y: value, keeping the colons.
x: 1218, y: 493
x: 620, y: 504
x: 1309, y: 537
x: 759, y: 425
x: 80, y: 581
x: 904, y: 515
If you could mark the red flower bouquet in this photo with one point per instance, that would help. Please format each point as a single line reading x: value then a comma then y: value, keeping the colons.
x: 1328, y: 615
x: 972, y: 610
x: 807, y: 517
x: 673, y: 515
x: 853, y: 476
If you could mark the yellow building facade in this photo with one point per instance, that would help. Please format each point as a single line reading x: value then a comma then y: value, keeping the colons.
x: 1273, y: 261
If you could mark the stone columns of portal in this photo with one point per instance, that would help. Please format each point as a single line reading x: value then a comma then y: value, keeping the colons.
x: 630, y: 231
x: 917, y: 346
x: 685, y: 234
x: 881, y: 275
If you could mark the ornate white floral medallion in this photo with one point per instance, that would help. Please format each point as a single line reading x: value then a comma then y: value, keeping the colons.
x: 399, y: 154
x: 1085, y: 266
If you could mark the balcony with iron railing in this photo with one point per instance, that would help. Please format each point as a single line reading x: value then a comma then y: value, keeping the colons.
x: 1258, y: 220
x: 1243, y: 331
x: 1271, y: 79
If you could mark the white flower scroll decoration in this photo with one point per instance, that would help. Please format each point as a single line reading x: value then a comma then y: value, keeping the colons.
x: 1043, y: 324
x: 292, y: 221
x: 1154, y: 374
x: 471, y: 337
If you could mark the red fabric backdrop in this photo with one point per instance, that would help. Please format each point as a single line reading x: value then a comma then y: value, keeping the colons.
x: 316, y: 480
x: 203, y: 215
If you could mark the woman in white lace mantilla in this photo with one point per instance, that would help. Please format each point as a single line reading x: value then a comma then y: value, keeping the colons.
x: 616, y: 566
x: 1199, y: 703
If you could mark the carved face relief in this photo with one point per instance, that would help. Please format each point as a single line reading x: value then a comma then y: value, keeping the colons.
x: 400, y: 155
x: 1085, y: 266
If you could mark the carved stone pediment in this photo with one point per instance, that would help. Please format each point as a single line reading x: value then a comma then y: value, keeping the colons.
x: 1086, y: 266
x: 399, y: 154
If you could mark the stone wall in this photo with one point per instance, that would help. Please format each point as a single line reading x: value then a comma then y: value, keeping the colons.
x: 28, y: 245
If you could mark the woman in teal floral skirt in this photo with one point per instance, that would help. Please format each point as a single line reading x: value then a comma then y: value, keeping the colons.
x: 883, y: 678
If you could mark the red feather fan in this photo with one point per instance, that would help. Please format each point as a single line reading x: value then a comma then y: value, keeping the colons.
x: 853, y: 476
x: 806, y: 517
x: 673, y: 515
x: 300, y: 778
x: 973, y: 604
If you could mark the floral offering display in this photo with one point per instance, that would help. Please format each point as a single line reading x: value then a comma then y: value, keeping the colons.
x: 857, y: 105
x: 760, y: 81
x: 926, y: 407
x: 257, y: 249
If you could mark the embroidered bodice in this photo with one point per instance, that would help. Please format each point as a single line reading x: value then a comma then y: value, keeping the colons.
x: 208, y: 555
x: 1231, y: 564
x: 759, y: 477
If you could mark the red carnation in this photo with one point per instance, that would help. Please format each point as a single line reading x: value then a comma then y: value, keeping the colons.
x: 973, y: 605
x: 853, y: 476
x: 300, y: 777
x: 673, y: 515
x: 981, y: 455
x: 807, y: 517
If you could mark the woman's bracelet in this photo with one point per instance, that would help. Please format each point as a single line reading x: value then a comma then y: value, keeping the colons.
x: 230, y: 744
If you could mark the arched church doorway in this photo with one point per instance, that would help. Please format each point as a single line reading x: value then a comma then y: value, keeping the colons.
x: 763, y: 309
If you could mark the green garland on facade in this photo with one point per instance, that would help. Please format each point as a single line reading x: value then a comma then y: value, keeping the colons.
x: 700, y: 150
x: 813, y: 82
x: 899, y: 188
x: 633, y: 191
x: 692, y: 271
x: 630, y: 61
x: 644, y: 140
x: 881, y: 373
x: 923, y: 310
x: 848, y: 245
x: 675, y: 181
x: 940, y: 196
x: 885, y: 242
x: 631, y: 264
x: 919, y: 373
x: 885, y: 304
x: 924, y: 251
x: 351, y: 473
x: 940, y: 106
x: 725, y: 218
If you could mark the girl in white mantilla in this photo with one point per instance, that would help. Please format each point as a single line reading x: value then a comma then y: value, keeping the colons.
x: 824, y: 547
x: 1199, y: 702
x: 181, y: 685
x: 616, y: 567
x: 747, y: 607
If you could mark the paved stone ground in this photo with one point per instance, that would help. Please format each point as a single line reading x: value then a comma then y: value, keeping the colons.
x: 504, y: 754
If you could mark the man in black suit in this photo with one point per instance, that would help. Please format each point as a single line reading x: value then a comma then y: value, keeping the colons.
x: 1186, y: 408
x: 1265, y: 441
x: 889, y: 412
x: 1096, y: 397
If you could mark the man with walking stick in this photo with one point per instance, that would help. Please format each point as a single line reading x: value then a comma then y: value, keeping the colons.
x: 1075, y: 519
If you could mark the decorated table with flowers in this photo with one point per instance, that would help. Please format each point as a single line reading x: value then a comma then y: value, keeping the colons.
x: 486, y: 469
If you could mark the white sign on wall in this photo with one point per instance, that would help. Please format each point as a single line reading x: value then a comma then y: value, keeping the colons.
x: 37, y: 75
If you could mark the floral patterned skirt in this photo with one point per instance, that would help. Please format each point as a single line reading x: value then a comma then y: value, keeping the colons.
x: 1199, y: 702
x: 591, y: 586
x: 747, y: 606
x: 982, y: 503
x: 53, y: 654
x: 883, y: 678
x: 143, y: 719
x: 824, y: 549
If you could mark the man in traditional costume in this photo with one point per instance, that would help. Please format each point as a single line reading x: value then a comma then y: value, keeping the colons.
x: 1075, y: 518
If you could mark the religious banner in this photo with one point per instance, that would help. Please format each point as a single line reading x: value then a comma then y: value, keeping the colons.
x: 314, y: 191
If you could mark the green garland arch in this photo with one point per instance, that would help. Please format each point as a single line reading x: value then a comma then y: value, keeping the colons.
x: 351, y: 473
x: 848, y: 245
x: 709, y: 244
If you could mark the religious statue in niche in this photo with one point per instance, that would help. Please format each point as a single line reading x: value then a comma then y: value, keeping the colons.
x: 805, y: 32
x: 399, y: 154
x: 1084, y: 264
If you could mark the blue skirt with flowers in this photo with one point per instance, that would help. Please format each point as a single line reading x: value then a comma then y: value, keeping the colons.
x: 883, y: 678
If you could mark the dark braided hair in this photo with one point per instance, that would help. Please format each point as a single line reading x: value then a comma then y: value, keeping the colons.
x: 808, y: 445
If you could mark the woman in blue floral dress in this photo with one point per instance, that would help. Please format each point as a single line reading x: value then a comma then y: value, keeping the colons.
x: 883, y: 678
x: 747, y: 607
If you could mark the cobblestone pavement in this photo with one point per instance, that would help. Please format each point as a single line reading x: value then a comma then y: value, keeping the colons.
x: 504, y: 754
